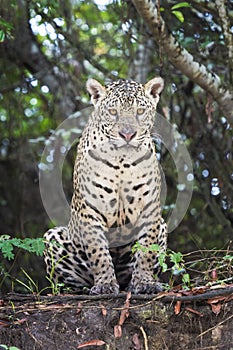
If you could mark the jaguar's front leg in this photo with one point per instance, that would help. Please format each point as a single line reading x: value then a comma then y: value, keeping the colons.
x: 97, y: 251
x: 146, y: 267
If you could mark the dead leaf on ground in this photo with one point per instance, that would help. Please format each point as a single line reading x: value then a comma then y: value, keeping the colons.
x: 216, y: 308
x: 79, y: 308
x: 177, y: 307
x: 136, y: 342
x: 214, y: 275
x: 91, y: 343
x: 4, y: 323
x: 195, y: 291
x: 117, y: 331
x: 7, y: 323
x: 194, y: 311
x: 103, y: 310
x: 22, y: 320
x: 215, y: 302
x: 219, y: 298
x: 125, y: 311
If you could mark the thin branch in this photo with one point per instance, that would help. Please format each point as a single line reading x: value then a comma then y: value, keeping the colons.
x: 217, y: 325
x: 183, y: 60
x: 145, y: 338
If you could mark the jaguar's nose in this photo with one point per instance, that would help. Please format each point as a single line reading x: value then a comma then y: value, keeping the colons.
x: 127, y: 135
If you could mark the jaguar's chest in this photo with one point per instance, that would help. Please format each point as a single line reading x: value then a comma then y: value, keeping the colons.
x: 119, y: 182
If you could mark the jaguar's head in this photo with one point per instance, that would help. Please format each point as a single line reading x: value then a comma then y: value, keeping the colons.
x: 125, y: 109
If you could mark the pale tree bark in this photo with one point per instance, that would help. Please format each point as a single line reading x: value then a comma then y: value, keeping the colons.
x: 183, y: 60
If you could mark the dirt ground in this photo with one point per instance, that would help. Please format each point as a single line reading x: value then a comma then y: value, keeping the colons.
x: 70, y: 322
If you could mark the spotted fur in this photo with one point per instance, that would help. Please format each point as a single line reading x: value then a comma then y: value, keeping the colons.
x: 116, y: 199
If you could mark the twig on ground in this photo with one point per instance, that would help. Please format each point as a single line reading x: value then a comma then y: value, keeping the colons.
x: 217, y: 325
x: 145, y: 338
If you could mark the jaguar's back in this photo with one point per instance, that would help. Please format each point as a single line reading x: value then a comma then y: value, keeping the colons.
x: 116, y: 199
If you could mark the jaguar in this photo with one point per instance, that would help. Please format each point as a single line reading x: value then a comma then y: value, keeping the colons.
x: 116, y: 196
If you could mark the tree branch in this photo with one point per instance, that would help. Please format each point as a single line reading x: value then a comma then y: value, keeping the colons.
x: 183, y: 60
x: 165, y: 296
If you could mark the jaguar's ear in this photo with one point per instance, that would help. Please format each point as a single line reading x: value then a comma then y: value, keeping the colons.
x: 154, y: 87
x: 95, y: 89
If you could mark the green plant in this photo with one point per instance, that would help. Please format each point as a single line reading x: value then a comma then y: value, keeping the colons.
x: 5, y: 347
x: 32, y: 245
x: 55, y: 286
x: 176, y: 260
x: 7, y: 248
x: 5, y: 29
x: 31, y: 286
x: 175, y: 10
x: 36, y: 246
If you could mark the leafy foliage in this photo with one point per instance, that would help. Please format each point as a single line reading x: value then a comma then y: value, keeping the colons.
x: 5, y: 29
x: 32, y: 245
x: 5, y: 347
x: 175, y: 10
x: 213, y: 267
x: 174, y: 259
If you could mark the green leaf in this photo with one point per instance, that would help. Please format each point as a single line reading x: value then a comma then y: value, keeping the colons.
x: 176, y: 257
x: 181, y: 5
x: 136, y: 247
x: 32, y: 245
x: 179, y: 15
x: 155, y: 248
x: 2, y: 36
x: 4, y: 238
x: 38, y: 246
x: 7, y: 250
x: 228, y: 257
x: 161, y: 259
x: 186, y: 278
x: 164, y: 267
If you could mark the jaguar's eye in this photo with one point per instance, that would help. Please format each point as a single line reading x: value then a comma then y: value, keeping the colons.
x: 112, y: 111
x: 140, y: 111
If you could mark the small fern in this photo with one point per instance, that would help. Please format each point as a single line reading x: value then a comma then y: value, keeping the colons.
x: 32, y: 245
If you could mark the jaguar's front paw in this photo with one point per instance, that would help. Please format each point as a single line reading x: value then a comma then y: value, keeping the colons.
x: 145, y: 287
x: 105, y: 288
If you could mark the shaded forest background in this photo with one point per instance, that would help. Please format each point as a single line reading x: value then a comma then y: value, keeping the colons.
x: 50, y: 48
